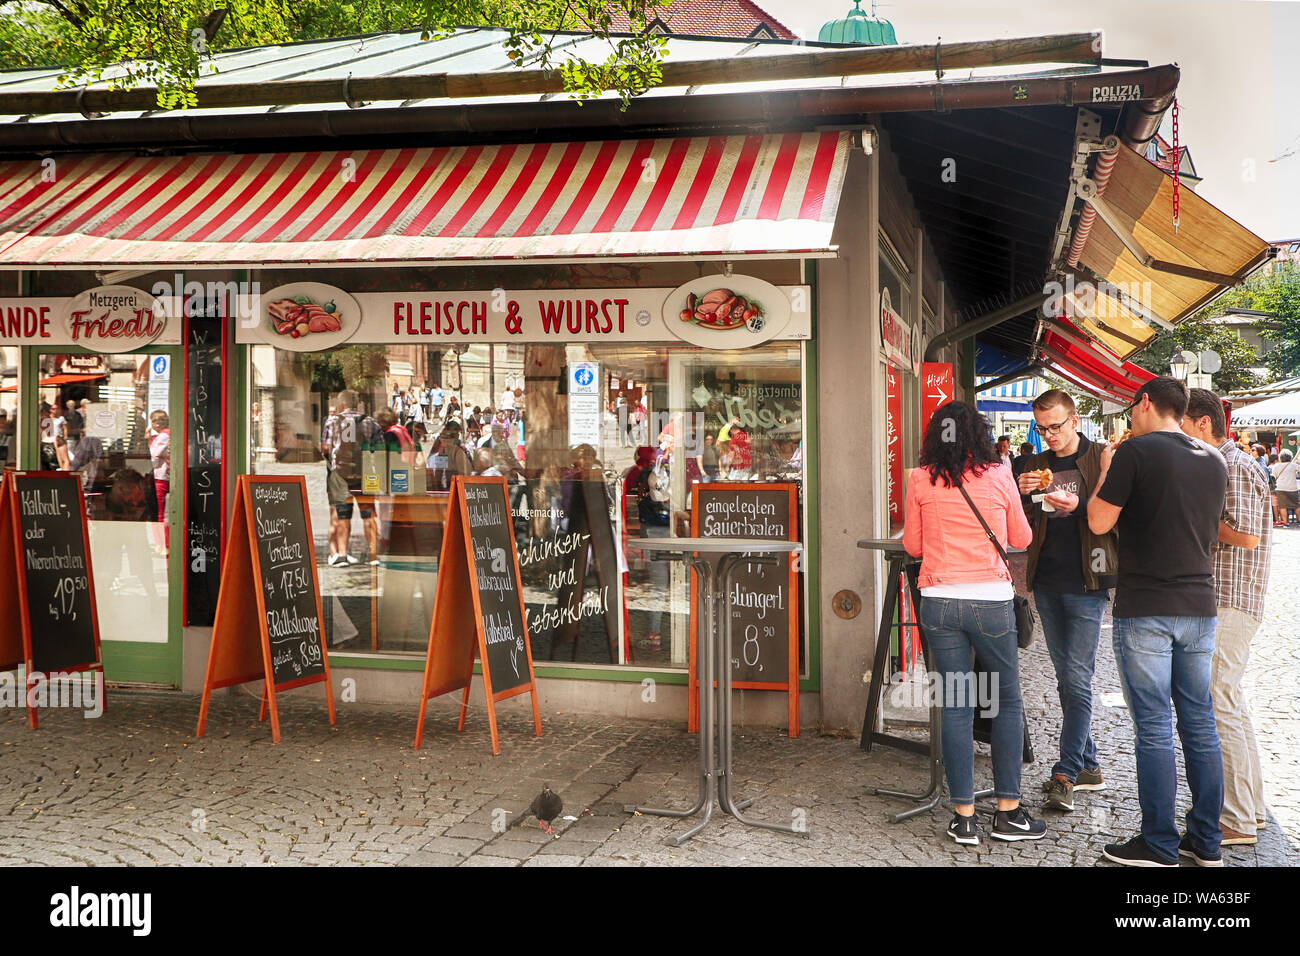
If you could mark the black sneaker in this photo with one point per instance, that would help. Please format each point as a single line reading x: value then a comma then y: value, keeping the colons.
x: 1090, y: 780
x: 1012, y: 825
x: 965, y: 830
x: 1202, y: 859
x: 1135, y: 853
x: 1060, y: 794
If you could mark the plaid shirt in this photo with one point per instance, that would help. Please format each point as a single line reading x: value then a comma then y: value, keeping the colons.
x: 1241, y: 574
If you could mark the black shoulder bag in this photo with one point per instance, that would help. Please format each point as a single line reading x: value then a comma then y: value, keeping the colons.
x: 1024, y: 614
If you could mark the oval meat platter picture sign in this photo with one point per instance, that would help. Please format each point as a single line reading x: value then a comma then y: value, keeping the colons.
x: 727, y: 312
x: 307, y: 316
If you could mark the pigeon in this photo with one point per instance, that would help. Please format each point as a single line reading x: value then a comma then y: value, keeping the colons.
x: 546, y: 806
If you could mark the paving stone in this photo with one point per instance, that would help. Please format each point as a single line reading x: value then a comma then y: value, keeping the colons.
x: 124, y: 788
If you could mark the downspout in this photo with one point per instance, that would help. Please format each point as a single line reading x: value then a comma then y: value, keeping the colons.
x: 975, y: 326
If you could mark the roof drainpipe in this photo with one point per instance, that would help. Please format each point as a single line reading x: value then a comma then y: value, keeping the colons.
x: 1137, y: 128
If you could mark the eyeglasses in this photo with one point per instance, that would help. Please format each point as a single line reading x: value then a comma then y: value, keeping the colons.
x: 1054, y: 429
x: 1128, y: 408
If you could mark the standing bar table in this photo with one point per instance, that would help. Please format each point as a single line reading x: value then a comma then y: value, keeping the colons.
x: 901, y: 562
x: 714, y: 560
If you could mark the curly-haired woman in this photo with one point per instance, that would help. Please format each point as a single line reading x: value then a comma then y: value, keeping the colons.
x: 966, y: 604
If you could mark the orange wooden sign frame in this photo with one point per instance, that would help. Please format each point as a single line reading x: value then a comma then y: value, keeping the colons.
x: 791, y: 683
x: 234, y: 657
x: 15, y: 616
x: 456, y: 631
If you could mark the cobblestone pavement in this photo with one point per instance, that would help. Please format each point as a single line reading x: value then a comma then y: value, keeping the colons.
x: 136, y: 787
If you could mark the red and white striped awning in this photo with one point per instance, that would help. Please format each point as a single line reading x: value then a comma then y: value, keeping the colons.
x: 704, y: 196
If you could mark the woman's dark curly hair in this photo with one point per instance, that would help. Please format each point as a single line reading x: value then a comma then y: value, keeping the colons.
x: 957, y: 440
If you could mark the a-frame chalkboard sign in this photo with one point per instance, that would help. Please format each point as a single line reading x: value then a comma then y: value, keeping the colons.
x: 48, y: 620
x: 764, y: 605
x: 268, y: 620
x: 478, y: 606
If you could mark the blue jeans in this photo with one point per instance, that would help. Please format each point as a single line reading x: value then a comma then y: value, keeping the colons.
x: 952, y: 628
x: 1161, y: 658
x: 1072, y: 627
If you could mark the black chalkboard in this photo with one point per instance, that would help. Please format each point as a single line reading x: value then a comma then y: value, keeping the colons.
x: 203, y: 502
x: 285, y: 562
x: 55, y: 571
x: 763, y: 600
x: 495, y: 575
x: 203, y: 543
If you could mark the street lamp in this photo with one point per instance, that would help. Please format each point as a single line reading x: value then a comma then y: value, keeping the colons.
x: 1181, y: 364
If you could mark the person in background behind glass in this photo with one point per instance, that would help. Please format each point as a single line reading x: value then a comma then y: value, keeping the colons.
x: 967, y: 604
x: 86, y: 460
x: 160, y: 458
x: 345, y: 434
x: 646, y: 483
x: 6, y: 439
x: 76, y: 422
x: 447, y: 458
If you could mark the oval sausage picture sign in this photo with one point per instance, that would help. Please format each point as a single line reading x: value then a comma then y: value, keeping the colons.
x: 727, y: 312
x: 114, y: 318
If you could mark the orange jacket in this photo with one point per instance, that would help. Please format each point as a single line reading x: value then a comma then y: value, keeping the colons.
x: 941, y: 528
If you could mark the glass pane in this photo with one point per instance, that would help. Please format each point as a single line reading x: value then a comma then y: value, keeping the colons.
x: 9, y: 358
x: 378, y: 432
x: 108, y: 418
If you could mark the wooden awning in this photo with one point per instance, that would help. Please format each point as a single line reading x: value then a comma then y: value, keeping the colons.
x: 1162, y: 275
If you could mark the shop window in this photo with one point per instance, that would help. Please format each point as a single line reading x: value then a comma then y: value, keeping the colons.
x: 586, y: 479
x: 107, y: 418
x: 9, y: 358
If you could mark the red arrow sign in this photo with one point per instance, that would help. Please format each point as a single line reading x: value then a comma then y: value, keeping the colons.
x: 936, y: 389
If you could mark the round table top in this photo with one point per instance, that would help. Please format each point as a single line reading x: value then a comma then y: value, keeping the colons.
x: 716, y: 545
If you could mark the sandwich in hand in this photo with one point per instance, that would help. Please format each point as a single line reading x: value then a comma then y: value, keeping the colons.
x: 1123, y: 436
x: 1044, y: 478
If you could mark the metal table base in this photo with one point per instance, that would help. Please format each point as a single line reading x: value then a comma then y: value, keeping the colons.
x: 715, y: 759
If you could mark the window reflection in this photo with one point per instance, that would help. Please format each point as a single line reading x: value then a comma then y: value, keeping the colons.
x: 9, y: 357
x: 378, y: 433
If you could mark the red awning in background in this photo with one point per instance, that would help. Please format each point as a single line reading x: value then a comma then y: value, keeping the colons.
x: 1074, y: 356
x: 72, y: 378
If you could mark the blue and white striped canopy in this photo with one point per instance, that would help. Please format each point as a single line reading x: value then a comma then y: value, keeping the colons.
x: 1014, y: 397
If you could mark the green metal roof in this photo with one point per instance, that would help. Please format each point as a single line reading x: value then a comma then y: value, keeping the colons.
x: 858, y: 28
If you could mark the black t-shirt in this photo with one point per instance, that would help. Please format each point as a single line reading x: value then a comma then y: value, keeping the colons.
x: 1060, y: 562
x: 1171, y: 488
